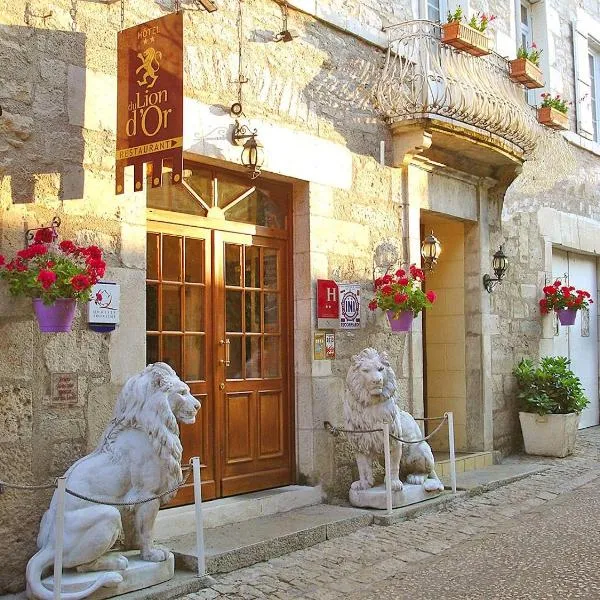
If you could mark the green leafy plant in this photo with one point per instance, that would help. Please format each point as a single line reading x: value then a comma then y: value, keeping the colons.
x: 479, y: 21
x: 456, y: 16
x: 550, y: 388
x: 532, y: 54
x: 555, y: 102
x: 402, y: 293
x: 50, y: 270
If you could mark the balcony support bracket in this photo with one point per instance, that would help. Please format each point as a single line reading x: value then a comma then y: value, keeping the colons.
x: 408, y: 143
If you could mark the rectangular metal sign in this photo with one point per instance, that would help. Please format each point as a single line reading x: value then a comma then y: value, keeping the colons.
x: 330, y: 345
x: 319, y: 347
x: 328, y: 304
x: 103, y: 308
x: 349, y: 305
x: 150, y: 100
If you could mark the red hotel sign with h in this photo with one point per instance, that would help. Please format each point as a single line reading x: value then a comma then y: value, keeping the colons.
x: 328, y: 304
x: 150, y: 100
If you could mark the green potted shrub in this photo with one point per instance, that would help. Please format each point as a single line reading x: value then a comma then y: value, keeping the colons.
x: 553, y: 398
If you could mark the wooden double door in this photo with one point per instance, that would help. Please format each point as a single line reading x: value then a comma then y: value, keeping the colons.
x: 217, y: 312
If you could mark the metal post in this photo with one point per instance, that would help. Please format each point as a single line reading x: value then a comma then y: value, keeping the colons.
x: 388, y: 467
x: 450, y: 416
x: 382, y: 153
x: 199, y: 518
x: 59, y: 525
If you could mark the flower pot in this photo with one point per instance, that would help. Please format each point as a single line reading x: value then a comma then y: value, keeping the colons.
x: 465, y: 38
x: 553, y: 118
x: 549, y: 435
x: 402, y: 323
x: 566, y: 316
x: 57, y: 317
x: 523, y: 71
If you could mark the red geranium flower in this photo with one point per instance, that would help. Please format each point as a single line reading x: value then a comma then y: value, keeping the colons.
x: 403, y: 281
x: 386, y: 290
x: 431, y: 296
x: 46, y: 278
x: 80, y: 282
x: 67, y: 246
x: 44, y: 236
x: 372, y: 304
x: 2, y: 260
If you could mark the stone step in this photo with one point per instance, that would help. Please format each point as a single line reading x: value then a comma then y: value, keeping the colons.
x: 491, y: 477
x: 237, y: 545
x: 172, y: 522
x: 467, y: 461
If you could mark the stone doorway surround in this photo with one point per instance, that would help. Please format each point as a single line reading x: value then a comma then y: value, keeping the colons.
x: 436, y: 191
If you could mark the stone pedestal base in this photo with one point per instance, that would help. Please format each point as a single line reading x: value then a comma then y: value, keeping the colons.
x: 139, y: 574
x: 375, y: 497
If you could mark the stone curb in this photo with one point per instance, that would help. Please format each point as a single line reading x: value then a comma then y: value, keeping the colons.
x: 493, y: 485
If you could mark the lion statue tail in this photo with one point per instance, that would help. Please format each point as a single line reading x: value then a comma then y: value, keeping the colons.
x: 42, y: 560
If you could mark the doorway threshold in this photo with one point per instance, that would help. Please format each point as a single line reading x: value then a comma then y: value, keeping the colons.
x: 173, y: 522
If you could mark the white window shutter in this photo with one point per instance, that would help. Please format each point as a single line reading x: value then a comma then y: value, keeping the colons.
x: 583, y: 91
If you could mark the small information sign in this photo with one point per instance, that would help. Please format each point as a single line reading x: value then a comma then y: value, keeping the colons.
x: 330, y: 345
x: 319, y: 347
x: 64, y: 391
x: 103, y: 308
x: 349, y: 305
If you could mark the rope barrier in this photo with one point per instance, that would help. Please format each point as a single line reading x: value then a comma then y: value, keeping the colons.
x: 335, y: 431
x: 18, y: 486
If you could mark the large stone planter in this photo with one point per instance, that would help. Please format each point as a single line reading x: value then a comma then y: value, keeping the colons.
x: 549, y: 435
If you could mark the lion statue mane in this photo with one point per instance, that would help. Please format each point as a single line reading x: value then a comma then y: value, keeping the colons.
x: 370, y: 401
x: 138, y: 456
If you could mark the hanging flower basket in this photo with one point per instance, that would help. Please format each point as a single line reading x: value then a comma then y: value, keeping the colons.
x: 565, y: 300
x: 402, y: 295
x: 523, y: 71
x: 566, y: 316
x: 55, y: 275
x: 403, y: 322
x: 550, y: 117
x: 57, y: 317
x: 465, y: 38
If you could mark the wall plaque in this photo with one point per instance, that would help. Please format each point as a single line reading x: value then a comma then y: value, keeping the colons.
x: 64, y: 391
x: 349, y: 305
x: 150, y: 100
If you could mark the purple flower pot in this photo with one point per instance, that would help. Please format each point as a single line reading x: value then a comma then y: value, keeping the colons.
x: 566, y: 316
x: 402, y: 323
x: 56, y: 317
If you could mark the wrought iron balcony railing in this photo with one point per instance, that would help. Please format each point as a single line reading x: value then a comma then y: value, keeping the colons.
x: 424, y: 78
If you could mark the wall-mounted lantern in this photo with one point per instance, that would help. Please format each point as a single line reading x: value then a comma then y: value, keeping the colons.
x: 253, y: 154
x: 430, y: 251
x: 499, y: 264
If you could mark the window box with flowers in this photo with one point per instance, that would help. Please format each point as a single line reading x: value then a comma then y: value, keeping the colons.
x: 55, y: 275
x: 402, y: 297
x: 525, y: 69
x: 469, y: 37
x: 553, y: 112
x: 565, y: 300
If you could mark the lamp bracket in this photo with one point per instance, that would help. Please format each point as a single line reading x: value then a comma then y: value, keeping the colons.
x: 489, y: 283
x: 241, y: 133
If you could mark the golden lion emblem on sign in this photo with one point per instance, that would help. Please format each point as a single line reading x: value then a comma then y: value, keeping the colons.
x: 150, y: 65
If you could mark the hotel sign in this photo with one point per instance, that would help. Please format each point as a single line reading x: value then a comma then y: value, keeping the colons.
x: 150, y: 100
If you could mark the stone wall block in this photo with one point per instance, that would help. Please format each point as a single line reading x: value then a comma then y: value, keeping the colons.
x: 16, y: 415
x: 17, y: 354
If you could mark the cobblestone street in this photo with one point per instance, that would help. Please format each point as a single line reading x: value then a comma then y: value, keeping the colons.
x: 535, y: 538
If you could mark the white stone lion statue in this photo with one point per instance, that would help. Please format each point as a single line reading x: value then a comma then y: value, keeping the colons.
x: 370, y: 401
x: 138, y: 456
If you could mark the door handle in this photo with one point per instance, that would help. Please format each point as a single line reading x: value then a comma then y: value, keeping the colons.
x: 225, y: 343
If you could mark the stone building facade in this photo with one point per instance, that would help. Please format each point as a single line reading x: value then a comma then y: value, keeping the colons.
x: 316, y: 104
